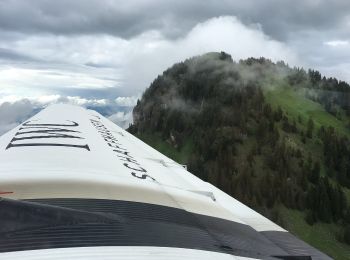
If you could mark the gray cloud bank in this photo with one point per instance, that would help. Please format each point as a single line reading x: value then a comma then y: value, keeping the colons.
x: 106, y: 63
x: 61, y: 32
x: 126, y: 19
x: 84, y: 51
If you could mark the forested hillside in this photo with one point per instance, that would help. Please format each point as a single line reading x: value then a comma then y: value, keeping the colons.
x: 272, y: 136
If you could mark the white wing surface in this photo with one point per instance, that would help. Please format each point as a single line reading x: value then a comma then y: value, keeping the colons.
x: 76, y: 186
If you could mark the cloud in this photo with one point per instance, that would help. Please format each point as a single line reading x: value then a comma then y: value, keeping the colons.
x: 127, y: 65
x: 48, y: 28
x: 127, y: 19
x: 98, y: 38
x: 10, y: 55
x: 337, y: 43
x: 84, y: 50
x: 122, y: 119
x: 15, y: 110
x: 217, y: 34
x: 126, y: 101
x: 34, y: 81
x: 12, y: 114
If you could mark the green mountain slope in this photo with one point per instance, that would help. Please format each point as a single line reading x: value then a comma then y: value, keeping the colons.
x: 294, y: 102
x: 274, y: 137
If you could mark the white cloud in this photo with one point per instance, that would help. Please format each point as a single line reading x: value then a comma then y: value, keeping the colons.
x: 122, y: 119
x: 337, y: 43
x: 42, y: 100
x: 15, y: 109
x: 151, y: 53
x: 82, y: 101
x: 45, y: 100
x: 90, y: 61
x: 11, y: 114
x: 126, y: 101
x: 39, y: 81
x: 230, y: 35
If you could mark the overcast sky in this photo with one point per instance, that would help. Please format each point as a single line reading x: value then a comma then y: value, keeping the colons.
x: 104, y: 53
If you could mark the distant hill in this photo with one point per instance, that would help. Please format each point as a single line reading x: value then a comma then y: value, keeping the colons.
x: 274, y: 137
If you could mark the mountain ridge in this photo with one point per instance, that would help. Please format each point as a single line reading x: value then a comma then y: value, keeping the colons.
x: 274, y: 137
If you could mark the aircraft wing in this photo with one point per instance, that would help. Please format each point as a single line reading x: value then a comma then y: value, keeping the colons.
x: 76, y: 186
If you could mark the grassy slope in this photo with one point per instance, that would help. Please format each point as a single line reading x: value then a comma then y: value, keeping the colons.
x: 295, y: 104
x: 320, y: 235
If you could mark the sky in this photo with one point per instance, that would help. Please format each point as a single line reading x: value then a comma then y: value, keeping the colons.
x: 102, y: 54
